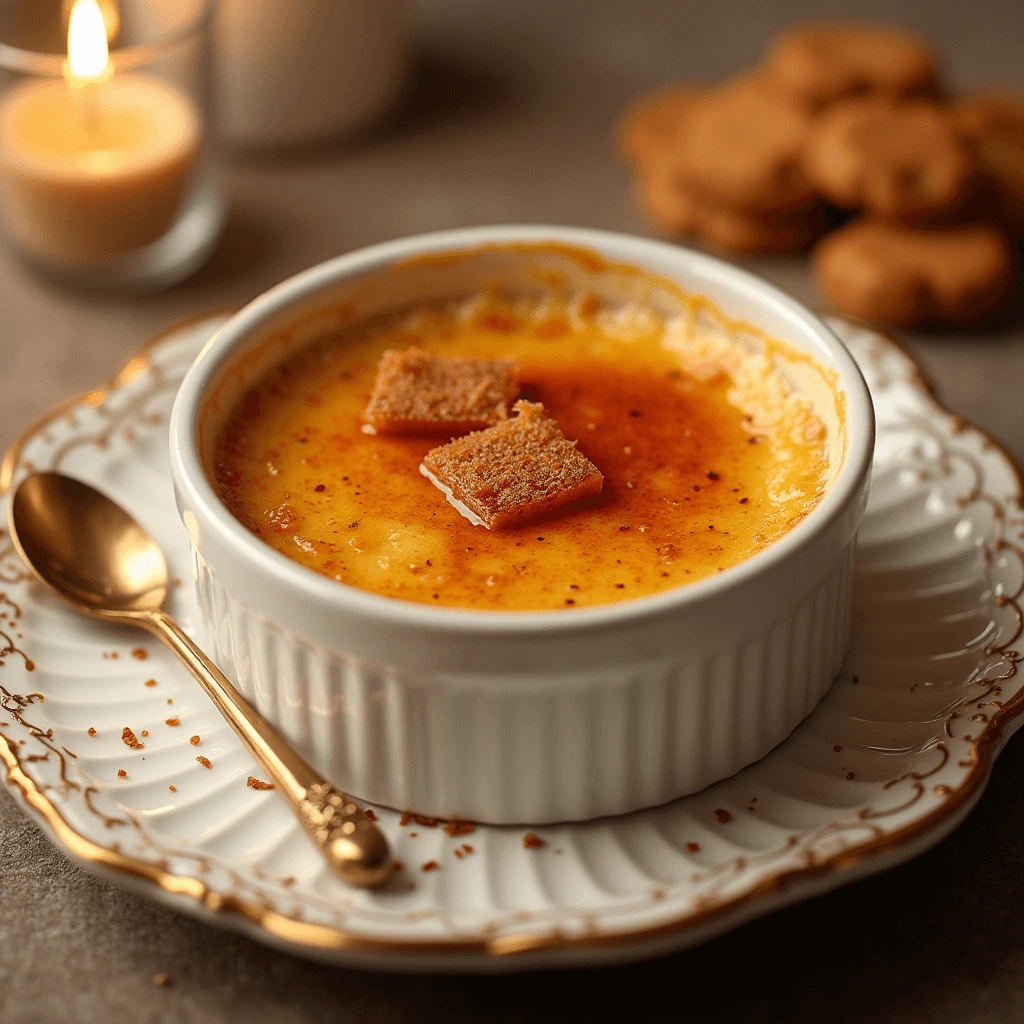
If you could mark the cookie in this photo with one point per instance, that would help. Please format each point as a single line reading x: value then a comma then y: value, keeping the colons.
x: 679, y: 212
x: 994, y: 123
x: 417, y: 392
x: 900, y: 160
x: 910, y: 276
x: 743, y: 148
x: 821, y: 62
x: 648, y: 128
x: 518, y: 470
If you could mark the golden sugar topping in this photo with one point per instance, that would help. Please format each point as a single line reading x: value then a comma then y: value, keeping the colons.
x: 708, y: 454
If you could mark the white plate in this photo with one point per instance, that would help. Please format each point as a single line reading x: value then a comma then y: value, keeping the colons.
x: 891, y: 761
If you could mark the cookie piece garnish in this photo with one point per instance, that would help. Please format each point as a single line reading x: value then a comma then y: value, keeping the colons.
x: 994, y: 123
x: 420, y: 393
x: 678, y: 211
x: 743, y: 148
x: 910, y: 276
x: 899, y: 160
x: 522, y: 468
x: 824, y: 61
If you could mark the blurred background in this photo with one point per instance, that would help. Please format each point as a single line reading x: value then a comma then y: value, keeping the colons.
x: 505, y: 113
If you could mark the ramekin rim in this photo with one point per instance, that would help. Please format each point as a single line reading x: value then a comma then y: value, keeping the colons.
x: 188, y: 470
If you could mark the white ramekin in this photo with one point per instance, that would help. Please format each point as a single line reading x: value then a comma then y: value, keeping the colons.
x: 519, y: 717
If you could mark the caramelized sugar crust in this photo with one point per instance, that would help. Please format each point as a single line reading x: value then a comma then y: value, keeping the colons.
x: 695, y: 479
x: 516, y: 471
x: 416, y: 392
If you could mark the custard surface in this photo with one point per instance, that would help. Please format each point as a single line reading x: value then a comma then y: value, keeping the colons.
x: 700, y: 474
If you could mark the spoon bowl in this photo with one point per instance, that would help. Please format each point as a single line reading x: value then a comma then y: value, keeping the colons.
x: 86, y: 548
x: 91, y: 553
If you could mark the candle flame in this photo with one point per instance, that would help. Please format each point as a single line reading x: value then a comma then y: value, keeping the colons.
x: 87, y: 41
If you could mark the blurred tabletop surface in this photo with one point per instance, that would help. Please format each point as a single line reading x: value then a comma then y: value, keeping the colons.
x: 507, y: 119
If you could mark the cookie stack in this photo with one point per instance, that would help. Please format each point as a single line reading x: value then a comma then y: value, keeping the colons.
x: 845, y: 120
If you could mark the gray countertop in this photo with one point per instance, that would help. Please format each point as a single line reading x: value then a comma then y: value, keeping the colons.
x: 508, y: 120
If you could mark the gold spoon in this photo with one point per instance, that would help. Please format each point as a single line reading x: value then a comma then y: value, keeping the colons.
x: 90, y: 552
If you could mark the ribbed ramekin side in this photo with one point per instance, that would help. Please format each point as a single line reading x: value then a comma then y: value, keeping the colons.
x: 544, y: 748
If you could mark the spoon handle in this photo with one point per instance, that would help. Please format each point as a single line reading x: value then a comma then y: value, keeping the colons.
x: 352, y: 845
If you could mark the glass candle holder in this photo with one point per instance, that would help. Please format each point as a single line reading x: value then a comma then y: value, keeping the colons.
x: 109, y: 175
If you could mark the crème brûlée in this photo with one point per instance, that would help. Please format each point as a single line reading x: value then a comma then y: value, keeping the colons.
x: 708, y: 456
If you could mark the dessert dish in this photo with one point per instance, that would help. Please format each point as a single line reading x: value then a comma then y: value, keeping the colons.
x: 898, y: 274
x: 821, y: 817
x: 535, y: 714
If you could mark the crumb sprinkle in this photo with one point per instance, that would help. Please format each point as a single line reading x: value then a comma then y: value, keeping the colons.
x: 532, y: 841
x: 194, y: 740
x: 252, y: 782
x: 204, y: 761
x: 129, y: 739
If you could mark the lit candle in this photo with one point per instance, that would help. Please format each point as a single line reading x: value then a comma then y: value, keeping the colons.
x: 95, y: 165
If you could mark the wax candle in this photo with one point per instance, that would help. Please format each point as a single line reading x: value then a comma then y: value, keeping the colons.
x: 94, y: 165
